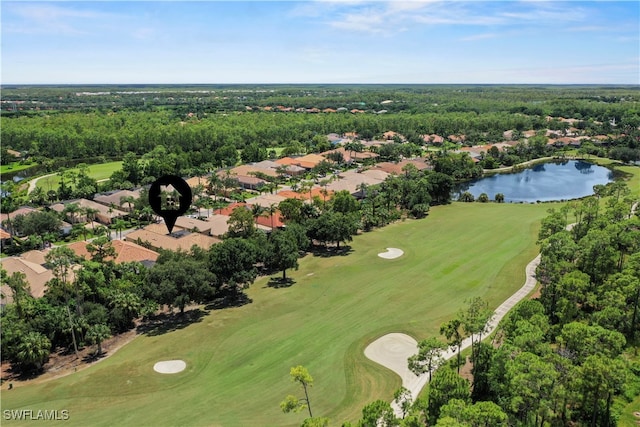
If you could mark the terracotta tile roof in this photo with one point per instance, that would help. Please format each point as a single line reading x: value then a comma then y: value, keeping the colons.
x: 396, y: 168
x: 114, y: 198
x: 103, y: 215
x: 229, y: 209
x: 286, y: 161
x: 218, y: 224
x: 315, y: 192
x: 266, y: 200
x: 265, y: 221
x: 349, y: 155
x: 125, y: 251
x: 251, y: 170
x: 20, y: 211
x: 35, y: 256
x: 37, y: 276
x: 4, y: 234
x: 193, y: 182
x: 187, y: 223
x: 350, y: 180
x: 308, y: 162
x: 181, y: 239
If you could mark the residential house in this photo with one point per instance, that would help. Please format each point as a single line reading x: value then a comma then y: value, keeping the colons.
x: 350, y: 156
x: 105, y: 215
x: 125, y: 252
x: 397, y: 168
x: 5, y: 238
x: 179, y: 239
x: 36, y: 275
x: 113, y: 199
x: 352, y: 180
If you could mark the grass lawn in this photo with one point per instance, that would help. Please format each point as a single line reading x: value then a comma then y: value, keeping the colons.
x: 627, y: 419
x: 97, y: 172
x: 15, y: 167
x: 238, y: 359
x: 632, y: 173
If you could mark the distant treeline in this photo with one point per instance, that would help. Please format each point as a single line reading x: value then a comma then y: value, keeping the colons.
x: 199, y: 121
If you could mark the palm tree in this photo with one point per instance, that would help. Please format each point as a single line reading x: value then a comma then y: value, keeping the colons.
x: 256, y: 211
x: 120, y: 225
x: 34, y: 349
x: 147, y: 213
x: 128, y: 200
x: 208, y: 203
x: 272, y: 209
x: 71, y: 209
x: 214, y: 185
x: 19, y: 286
x: 96, y: 334
x: 198, y: 204
x: 90, y: 213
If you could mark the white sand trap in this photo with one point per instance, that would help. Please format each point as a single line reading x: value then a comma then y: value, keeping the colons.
x: 392, y: 352
x: 170, y: 366
x: 391, y: 253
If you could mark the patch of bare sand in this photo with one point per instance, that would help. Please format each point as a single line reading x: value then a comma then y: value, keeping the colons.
x: 391, y: 253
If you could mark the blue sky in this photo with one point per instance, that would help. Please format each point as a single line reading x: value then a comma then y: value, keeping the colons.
x: 64, y: 42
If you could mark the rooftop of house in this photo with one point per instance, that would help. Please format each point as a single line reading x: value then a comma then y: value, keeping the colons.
x: 349, y: 155
x: 193, y: 224
x: 84, y: 203
x: 307, y: 195
x: 23, y: 210
x: 125, y: 251
x: 218, y: 224
x: 36, y: 275
x: 266, y: 200
x: 351, y: 180
x: 179, y: 239
x: 252, y: 170
x: 194, y: 181
x: 397, y: 167
x: 114, y: 198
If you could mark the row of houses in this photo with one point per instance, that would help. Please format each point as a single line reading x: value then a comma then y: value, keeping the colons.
x: 34, y: 266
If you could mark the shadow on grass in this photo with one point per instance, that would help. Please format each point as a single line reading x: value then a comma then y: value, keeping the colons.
x: 331, y: 251
x: 92, y: 357
x: 237, y: 300
x: 279, y: 282
x: 168, y: 322
x: 18, y: 373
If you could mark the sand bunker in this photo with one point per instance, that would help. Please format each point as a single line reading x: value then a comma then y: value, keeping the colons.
x: 170, y: 366
x: 391, y: 253
x: 392, y: 352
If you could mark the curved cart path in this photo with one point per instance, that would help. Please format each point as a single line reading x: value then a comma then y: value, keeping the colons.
x: 393, y: 350
x: 34, y: 181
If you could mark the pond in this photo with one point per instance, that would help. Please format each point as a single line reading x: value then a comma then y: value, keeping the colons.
x: 543, y: 182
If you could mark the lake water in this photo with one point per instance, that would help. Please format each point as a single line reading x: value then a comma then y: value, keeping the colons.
x: 543, y: 182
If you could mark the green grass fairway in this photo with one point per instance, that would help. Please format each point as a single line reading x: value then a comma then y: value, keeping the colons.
x: 15, y: 167
x: 238, y: 359
x: 97, y: 172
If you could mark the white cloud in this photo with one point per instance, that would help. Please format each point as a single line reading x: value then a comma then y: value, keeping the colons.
x: 483, y: 36
x: 371, y: 16
x: 49, y: 18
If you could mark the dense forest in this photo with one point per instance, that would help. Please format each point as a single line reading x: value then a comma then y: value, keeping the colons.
x: 195, y: 124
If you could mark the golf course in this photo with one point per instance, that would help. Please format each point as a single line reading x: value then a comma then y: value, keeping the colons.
x: 98, y: 172
x: 238, y: 359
